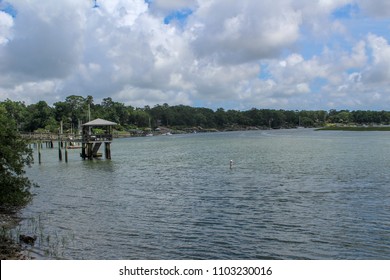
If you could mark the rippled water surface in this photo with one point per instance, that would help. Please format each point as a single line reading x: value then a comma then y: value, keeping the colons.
x: 292, y: 194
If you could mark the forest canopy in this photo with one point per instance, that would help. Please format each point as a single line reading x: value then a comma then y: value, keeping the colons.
x: 75, y: 110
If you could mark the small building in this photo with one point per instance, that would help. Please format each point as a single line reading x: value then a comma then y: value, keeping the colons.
x: 94, y: 134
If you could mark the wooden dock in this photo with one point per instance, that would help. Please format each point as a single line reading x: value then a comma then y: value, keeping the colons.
x: 48, y: 140
x: 94, y: 134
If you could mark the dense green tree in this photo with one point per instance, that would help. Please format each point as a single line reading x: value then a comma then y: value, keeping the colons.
x: 72, y: 111
x: 182, y: 115
x: 14, y: 156
x: 254, y: 117
x: 221, y: 117
x: 76, y: 109
x: 162, y: 114
x: 113, y: 111
x: 39, y: 115
x: 343, y: 116
x: 139, y: 117
x: 17, y: 111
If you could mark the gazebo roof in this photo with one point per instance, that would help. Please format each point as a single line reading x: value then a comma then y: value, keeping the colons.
x: 99, y: 122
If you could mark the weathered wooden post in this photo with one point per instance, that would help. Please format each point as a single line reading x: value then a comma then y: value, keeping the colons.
x: 89, y: 151
x: 39, y: 152
x: 108, y: 150
x: 59, y: 149
x: 66, y: 151
x: 83, y: 154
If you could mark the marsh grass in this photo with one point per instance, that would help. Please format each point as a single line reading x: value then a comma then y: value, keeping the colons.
x: 48, y: 245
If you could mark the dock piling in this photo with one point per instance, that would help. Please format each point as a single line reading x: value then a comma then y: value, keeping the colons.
x: 108, y: 150
x: 66, y: 152
x: 59, y: 151
x: 39, y: 153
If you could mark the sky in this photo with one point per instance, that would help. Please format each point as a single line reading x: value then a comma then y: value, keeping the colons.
x: 269, y: 54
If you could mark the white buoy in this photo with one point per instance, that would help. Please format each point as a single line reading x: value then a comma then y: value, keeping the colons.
x: 231, y: 164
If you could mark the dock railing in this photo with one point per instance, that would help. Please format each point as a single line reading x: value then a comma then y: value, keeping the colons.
x: 97, y: 138
x: 33, y: 136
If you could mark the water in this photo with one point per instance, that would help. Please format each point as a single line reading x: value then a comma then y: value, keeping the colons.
x: 292, y: 194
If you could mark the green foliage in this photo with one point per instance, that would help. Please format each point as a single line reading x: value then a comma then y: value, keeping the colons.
x: 76, y: 109
x: 17, y: 111
x: 38, y: 116
x: 14, y: 156
x: 71, y: 111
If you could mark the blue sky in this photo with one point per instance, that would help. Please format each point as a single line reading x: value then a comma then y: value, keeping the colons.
x: 7, y: 8
x: 277, y: 54
x: 349, y: 10
x: 179, y: 15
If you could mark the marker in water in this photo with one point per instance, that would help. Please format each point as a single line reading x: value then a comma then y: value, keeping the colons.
x: 231, y: 164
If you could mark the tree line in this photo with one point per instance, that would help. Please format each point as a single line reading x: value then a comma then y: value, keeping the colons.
x: 75, y: 110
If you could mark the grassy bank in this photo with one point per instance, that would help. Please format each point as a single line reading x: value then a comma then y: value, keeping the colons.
x: 356, y: 128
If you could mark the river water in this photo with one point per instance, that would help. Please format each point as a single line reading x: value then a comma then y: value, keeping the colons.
x: 291, y: 194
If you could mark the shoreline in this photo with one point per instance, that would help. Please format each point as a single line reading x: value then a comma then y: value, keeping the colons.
x: 354, y: 128
x: 9, y: 248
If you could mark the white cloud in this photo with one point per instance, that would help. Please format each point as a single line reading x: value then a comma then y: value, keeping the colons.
x: 243, y: 31
x: 316, y: 16
x: 139, y: 97
x: 124, y: 12
x: 6, y: 23
x: 379, y: 70
x: 279, y: 53
x: 376, y: 8
x: 36, y: 91
x: 358, y: 58
x: 218, y: 83
x: 303, y: 88
x: 46, y: 41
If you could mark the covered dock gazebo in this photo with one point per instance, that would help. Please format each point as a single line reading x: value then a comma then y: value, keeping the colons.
x: 94, y: 134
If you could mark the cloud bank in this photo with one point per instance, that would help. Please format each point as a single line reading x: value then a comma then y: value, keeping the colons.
x: 214, y: 53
